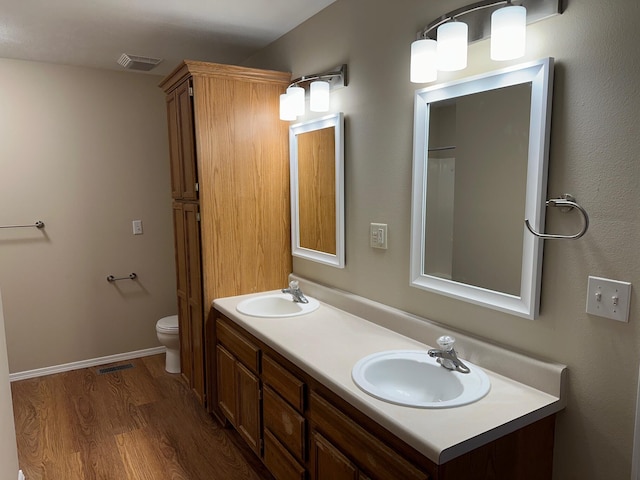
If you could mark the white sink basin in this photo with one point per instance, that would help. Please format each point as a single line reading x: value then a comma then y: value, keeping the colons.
x: 412, y: 378
x: 276, y: 305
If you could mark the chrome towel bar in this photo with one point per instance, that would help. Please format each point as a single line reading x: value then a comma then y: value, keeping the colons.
x: 37, y: 224
x: 131, y: 276
x: 566, y: 203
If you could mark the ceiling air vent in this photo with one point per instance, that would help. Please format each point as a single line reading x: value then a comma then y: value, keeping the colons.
x: 135, y: 62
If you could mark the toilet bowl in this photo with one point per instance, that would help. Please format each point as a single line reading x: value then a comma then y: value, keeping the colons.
x: 167, y: 330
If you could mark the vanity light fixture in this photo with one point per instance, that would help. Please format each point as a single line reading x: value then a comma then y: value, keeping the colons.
x: 292, y: 103
x: 442, y: 44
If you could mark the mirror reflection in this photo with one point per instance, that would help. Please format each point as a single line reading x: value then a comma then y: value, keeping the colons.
x: 317, y: 190
x: 477, y: 171
x: 480, y: 164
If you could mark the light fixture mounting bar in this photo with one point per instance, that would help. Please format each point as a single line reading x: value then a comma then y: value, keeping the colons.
x: 478, y: 16
x: 337, y: 78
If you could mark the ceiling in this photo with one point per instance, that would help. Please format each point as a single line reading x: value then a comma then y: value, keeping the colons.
x: 95, y: 33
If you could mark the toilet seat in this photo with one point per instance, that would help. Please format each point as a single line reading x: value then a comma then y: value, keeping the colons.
x: 168, y: 325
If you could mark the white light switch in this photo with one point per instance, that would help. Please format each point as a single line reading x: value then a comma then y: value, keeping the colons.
x: 378, y: 235
x: 609, y: 298
x: 137, y: 227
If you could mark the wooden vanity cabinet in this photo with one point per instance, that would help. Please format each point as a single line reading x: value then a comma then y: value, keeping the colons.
x: 309, y: 433
x: 229, y: 160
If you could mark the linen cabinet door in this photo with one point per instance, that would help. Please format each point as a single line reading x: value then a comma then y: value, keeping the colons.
x: 182, y: 282
x: 194, y: 297
x: 184, y: 173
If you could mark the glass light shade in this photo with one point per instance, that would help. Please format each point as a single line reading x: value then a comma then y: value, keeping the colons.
x: 297, y: 99
x: 287, y: 112
x: 452, y: 46
x: 423, y: 61
x: 508, y: 32
x: 319, y: 96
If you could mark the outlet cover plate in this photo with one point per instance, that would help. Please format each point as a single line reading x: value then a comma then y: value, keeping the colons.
x: 601, y: 298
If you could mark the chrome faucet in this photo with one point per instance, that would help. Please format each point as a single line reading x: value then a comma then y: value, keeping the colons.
x: 295, y: 292
x: 447, y: 356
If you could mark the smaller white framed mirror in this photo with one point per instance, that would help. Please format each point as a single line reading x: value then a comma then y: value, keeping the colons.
x: 316, y: 155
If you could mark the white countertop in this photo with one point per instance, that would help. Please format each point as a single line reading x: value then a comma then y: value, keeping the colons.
x: 328, y: 342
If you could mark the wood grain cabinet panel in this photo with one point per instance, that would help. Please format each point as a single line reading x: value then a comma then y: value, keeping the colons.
x: 279, y: 461
x: 287, y: 425
x: 368, y: 451
x: 288, y: 386
x: 239, y: 397
x: 247, y: 352
x: 227, y: 390
x: 328, y: 463
x: 189, y: 293
x: 229, y: 159
x: 248, y: 410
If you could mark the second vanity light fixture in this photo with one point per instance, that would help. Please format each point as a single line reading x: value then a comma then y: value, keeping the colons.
x: 442, y: 45
x: 292, y: 103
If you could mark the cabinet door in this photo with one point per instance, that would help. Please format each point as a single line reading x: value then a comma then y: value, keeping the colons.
x: 328, y: 463
x: 189, y: 176
x: 182, y: 143
x: 227, y: 384
x: 194, y: 297
x: 248, y: 411
x: 174, y: 145
x: 182, y: 281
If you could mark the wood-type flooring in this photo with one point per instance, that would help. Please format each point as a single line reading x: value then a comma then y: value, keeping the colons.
x: 139, y: 423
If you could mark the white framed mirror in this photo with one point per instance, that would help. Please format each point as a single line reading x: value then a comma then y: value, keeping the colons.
x: 316, y: 153
x: 481, y: 148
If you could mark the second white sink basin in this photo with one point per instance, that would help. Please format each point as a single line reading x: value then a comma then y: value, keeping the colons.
x: 273, y: 305
x: 412, y: 378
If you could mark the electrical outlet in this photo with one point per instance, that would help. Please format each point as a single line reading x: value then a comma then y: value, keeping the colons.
x: 137, y: 227
x: 378, y: 235
x: 608, y: 298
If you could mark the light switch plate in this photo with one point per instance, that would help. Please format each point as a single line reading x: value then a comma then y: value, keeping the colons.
x: 137, y: 227
x: 608, y: 298
x: 378, y: 235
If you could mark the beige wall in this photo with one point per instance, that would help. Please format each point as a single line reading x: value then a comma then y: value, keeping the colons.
x: 86, y: 152
x: 8, y: 451
x: 594, y: 150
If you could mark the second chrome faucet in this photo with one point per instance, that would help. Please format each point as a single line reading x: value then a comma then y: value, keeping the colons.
x: 447, y: 356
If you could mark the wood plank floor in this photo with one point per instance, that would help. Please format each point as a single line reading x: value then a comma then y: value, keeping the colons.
x: 136, y: 423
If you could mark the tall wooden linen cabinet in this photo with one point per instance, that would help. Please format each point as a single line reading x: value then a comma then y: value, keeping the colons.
x: 230, y: 187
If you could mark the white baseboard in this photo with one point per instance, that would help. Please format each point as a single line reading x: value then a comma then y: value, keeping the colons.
x: 92, y: 362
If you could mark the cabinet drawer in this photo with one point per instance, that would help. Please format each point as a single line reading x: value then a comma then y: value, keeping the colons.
x: 373, y: 456
x: 287, y: 385
x: 238, y: 345
x: 287, y: 425
x: 280, y: 462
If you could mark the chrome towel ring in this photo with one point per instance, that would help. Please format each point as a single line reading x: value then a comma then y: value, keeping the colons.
x: 566, y: 203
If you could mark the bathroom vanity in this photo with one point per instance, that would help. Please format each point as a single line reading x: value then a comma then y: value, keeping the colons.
x: 285, y: 384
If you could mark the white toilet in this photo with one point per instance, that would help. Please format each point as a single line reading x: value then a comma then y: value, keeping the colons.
x: 167, y: 330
